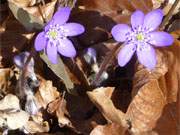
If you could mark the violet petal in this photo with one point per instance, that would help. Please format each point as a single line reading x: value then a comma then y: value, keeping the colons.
x: 160, y: 39
x: 153, y: 19
x: 137, y: 19
x: 119, y: 32
x: 62, y: 15
x: 52, y: 53
x: 73, y: 29
x: 47, y: 27
x: 125, y: 54
x: 40, y: 42
x: 147, y: 57
x: 66, y: 48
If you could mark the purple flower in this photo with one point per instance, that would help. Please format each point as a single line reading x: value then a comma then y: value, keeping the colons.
x: 54, y: 38
x: 141, y: 38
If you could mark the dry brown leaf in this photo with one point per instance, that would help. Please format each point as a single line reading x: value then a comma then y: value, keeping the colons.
x: 46, y: 94
x: 168, y: 123
x: 37, y: 125
x: 107, y: 6
x: 144, y: 5
x: 23, y: 3
x: 31, y: 16
x: 101, y: 98
x: 5, y: 75
x: 115, y: 5
x: 14, y: 120
x: 59, y: 107
x: 166, y: 72
x: 170, y: 81
x: 143, y: 75
x: 146, y: 107
x: 33, y: 127
x: 157, y: 3
x: 167, y: 75
x: 109, y: 129
x: 10, y: 114
x: 9, y: 102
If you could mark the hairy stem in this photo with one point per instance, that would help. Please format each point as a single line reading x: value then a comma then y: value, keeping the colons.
x: 105, y: 64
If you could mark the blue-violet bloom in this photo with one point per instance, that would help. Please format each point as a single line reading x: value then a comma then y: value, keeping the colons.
x: 54, y: 38
x: 141, y: 38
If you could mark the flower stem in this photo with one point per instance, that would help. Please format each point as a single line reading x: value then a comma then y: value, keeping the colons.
x: 105, y: 64
x: 169, y: 15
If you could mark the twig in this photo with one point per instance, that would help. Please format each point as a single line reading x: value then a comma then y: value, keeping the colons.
x: 62, y: 101
x: 169, y: 15
x: 105, y: 64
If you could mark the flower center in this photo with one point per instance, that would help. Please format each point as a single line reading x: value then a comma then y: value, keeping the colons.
x: 53, y: 34
x: 140, y: 37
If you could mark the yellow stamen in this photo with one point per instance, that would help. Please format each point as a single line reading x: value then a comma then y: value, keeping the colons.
x: 140, y: 36
x: 53, y: 34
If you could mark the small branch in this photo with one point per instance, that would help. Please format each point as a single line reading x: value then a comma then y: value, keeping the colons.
x: 105, y: 64
x: 169, y: 15
x: 62, y: 101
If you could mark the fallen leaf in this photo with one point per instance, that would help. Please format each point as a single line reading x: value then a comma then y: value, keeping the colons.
x: 172, y: 77
x: 144, y: 5
x: 9, y: 102
x: 58, y: 107
x: 5, y: 75
x: 143, y: 75
x: 166, y: 74
x: 110, y: 5
x: 11, y: 116
x: 46, y: 94
x: 168, y: 123
x: 158, y: 3
x: 37, y: 125
x: 101, y: 98
x: 109, y: 129
x: 14, y: 120
x: 146, y: 107
x: 31, y: 16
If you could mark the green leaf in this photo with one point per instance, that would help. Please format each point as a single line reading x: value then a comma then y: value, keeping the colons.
x: 60, y: 71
